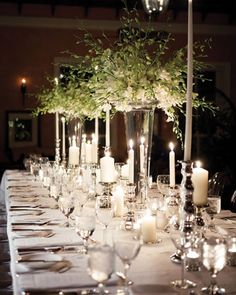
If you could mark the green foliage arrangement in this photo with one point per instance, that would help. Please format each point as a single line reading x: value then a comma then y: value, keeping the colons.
x: 134, y: 72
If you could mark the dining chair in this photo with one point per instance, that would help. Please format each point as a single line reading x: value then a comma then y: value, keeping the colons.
x: 216, y: 184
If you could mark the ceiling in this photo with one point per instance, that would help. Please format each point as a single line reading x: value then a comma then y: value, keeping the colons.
x: 204, y: 7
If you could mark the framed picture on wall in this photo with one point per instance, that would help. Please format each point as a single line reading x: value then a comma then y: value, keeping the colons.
x: 22, y: 129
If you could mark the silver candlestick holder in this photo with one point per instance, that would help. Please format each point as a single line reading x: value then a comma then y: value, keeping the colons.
x: 186, y: 193
x: 57, y: 152
x: 131, y: 199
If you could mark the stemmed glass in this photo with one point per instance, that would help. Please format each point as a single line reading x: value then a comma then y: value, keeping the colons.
x: 163, y: 183
x: 127, y: 248
x: 214, y: 207
x: 35, y: 170
x: 101, y: 265
x: 182, y: 243
x: 84, y: 227
x: 214, y: 255
x: 104, y: 212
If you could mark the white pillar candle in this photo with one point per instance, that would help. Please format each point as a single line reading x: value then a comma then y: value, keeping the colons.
x: 131, y: 161
x: 57, y: 125
x: 148, y: 229
x: 73, y: 153
x: 188, y: 120
x: 172, y: 165
x: 200, y: 185
x: 63, y: 137
x: 142, y: 154
x: 94, y: 149
x: 83, y: 152
x: 107, y: 109
x: 118, y: 201
x: 107, y: 166
x: 88, y: 152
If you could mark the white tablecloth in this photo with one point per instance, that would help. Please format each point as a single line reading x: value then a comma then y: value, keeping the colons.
x: 152, y: 271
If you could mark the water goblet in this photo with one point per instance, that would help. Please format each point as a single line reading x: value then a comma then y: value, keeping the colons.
x: 163, y: 183
x: 214, y: 256
x: 182, y: 243
x: 104, y: 212
x: 127, y: 248
x: 101, y: 265
x: 213, y: 208
x: 84, y: 227
x: 66, y: 205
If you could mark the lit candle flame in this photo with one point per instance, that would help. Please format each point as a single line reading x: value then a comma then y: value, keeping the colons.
x: 198, y: 164
x: 142, y: 140
x: 56, y: 80
x: 63, y: 119
x: 23, y: 81
x: 131, y: 143
x: 171, y: 146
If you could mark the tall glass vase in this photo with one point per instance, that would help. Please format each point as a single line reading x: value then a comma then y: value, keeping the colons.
x: 74, y: 134
x: 139, y: 129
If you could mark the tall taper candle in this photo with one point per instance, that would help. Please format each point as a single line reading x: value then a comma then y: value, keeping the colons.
x: 63, y: 138
x: 96, y: 129
x: 131, y: 161
x: 188, y: 121
x: 107, y: 110
x: 57, y: 126
x: 172, y: 164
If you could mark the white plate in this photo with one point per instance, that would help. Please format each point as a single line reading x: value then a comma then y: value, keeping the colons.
x: 39, y: 260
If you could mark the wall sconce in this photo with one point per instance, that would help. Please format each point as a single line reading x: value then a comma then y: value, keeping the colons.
x: 151, y: 6
x: 23, y: 89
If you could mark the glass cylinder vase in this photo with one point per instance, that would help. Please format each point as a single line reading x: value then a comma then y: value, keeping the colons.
x: 139, y: 129
x: 74, y: 134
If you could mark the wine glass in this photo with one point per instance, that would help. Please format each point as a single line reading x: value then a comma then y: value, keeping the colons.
x: 35, y: 170
x: 66, y: 205
x: 214, y: 207
x: 182, y: 243
x: 163, y: 183
x: 214, y: 255
x: 104, y: 212
x: 127, y: 248
x: 101, y: 264
x: 84, y: 227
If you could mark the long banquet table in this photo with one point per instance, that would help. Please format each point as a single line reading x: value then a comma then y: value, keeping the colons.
x: 152, y: 270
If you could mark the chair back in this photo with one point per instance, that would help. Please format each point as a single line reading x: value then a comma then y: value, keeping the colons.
x: 216, y: 184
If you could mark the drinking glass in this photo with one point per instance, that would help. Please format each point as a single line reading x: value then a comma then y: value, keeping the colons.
x: 66, y: 205
x: 101, y: 265
x: 35, y: 170
x: 104, y: 212
x: 84, y: 227
x: 214, y: 255
x: 127, y: 248
x: 163, y: 183
x: 214, y: 207
x: 182, y: 242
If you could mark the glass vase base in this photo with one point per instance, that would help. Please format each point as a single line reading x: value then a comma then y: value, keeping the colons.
x: 213, y: 290
x: 183, y: 284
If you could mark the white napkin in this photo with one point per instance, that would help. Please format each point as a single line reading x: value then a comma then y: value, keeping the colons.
x: 66, y: 236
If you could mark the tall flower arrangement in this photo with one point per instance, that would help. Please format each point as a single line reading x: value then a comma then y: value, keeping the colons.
x: 135, y: 71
